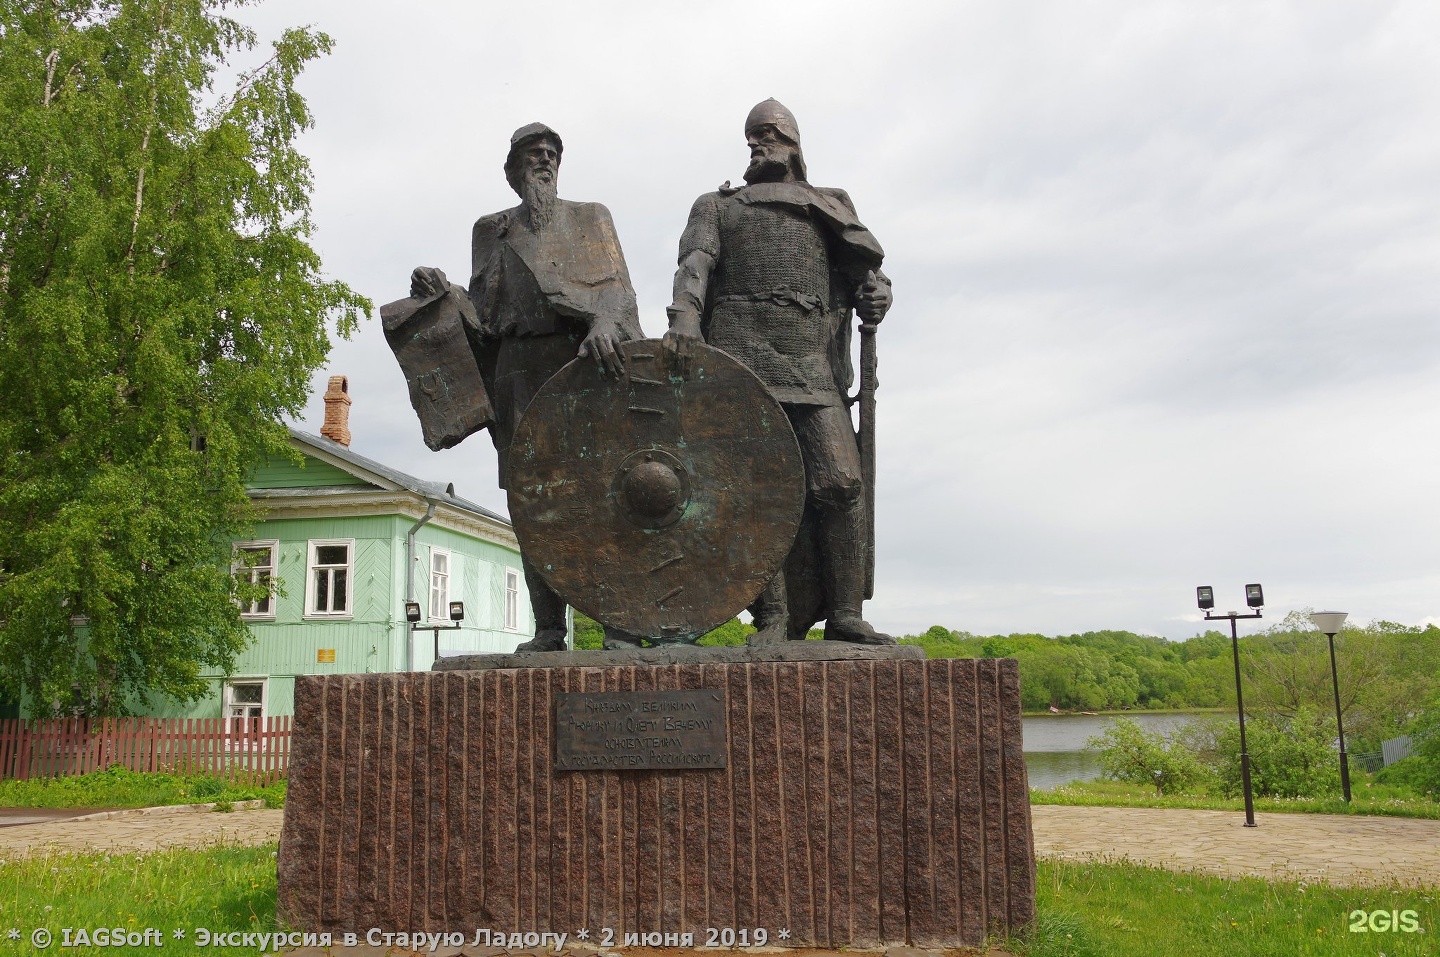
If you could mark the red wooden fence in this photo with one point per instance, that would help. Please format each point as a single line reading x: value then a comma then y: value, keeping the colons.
x: 258, y: 747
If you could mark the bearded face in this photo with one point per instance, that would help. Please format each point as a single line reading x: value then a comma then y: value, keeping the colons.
x: 772, y: 156
x: 539, y: 170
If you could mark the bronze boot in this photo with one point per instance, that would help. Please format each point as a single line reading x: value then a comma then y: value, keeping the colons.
x: 771, y: 612
x: 549, y: 610
x: 844, y: 568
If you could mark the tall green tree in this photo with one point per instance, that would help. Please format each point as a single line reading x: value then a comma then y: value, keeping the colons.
x: 160, y: 309
x: 1387, y: 671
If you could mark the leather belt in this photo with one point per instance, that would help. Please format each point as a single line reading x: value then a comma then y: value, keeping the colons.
x: 780, y: 295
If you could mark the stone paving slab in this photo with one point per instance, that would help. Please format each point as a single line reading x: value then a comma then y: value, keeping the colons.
x: 15, y: 816
x: 1344, y: 850
x: 167, y: 810
x: 132, y: 833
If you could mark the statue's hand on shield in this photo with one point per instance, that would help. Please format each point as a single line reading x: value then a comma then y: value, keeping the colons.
x: 692, y: 280
x: 679, y: 341
x: 603, y: 345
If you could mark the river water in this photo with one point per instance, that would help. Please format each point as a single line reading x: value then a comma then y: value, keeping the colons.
x: 1055, y: 743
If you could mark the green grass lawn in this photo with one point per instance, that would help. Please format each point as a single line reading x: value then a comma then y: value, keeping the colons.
x: 1087, y: 909
x: 118, y: 787
x: 222, y: 889
x: 1101, y: 909
x: 1369, y: 798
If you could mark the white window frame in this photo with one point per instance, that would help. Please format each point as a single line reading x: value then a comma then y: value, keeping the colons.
x: 440, y: 608
x: 312, y: 550
x: 239, y: 568
x: 227, y: 701
x: 512, y: 600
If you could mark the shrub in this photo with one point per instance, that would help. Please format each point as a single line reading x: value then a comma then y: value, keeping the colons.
x: 1130, y: 753
x: 1410, y: 772
x: 732, y: 633
x: 589, y: 636
x: 1289, y: 757
x: 1425, y: 733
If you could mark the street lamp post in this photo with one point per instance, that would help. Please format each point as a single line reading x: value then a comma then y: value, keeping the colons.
x: 1255, y: 598
x: 1330, y: 622
x: 412, y: 615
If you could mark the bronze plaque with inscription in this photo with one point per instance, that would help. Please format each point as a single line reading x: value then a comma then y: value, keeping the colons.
x: 639, y: 730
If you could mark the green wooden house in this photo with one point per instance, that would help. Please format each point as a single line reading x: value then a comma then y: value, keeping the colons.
x: 347, y: 541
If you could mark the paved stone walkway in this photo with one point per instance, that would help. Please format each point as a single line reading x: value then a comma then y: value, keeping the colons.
x: 15, y: 816
x: 142, y: 832
x: 1339, y: 849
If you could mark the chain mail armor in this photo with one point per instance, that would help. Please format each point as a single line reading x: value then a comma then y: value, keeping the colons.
x: 771, y: 296
x: 767, y: 247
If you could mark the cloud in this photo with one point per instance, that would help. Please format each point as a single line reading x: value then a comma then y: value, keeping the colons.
x: 1165, y: 290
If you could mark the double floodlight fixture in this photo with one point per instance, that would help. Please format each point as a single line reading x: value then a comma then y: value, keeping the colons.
x: 1205, y: 597
x: 414, y: 615
x: 1255, y: 598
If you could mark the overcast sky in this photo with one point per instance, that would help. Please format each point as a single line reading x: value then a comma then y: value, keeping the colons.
x: 1167, y: 275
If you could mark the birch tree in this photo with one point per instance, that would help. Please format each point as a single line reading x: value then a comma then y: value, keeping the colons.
x: 161, y: 308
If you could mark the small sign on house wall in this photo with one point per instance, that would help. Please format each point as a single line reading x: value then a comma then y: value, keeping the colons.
x: 325, y: 656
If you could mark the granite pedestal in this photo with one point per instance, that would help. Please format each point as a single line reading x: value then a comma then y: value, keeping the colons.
x: 866, y: 800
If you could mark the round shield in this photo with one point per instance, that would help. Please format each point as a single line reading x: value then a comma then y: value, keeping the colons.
x: 659, y: 502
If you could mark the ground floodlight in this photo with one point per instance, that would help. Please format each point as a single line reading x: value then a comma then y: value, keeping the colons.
x: 457, y: 611
x: 412, y: 611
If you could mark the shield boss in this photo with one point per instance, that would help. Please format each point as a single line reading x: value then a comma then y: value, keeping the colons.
x: 663, y: 501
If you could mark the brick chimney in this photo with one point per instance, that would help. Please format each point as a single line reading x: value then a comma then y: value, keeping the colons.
x: 337, y: 411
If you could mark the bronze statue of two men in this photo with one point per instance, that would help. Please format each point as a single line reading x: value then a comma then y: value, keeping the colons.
x: 769, y: 272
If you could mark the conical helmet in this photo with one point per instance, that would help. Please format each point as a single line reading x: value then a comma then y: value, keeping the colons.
x: 773, y: 113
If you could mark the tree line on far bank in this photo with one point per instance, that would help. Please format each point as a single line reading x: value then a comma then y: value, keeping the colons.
x: 1389, y: 673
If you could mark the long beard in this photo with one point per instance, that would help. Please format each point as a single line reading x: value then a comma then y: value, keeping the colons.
x: 540, y: 200
x: 764, y: 169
